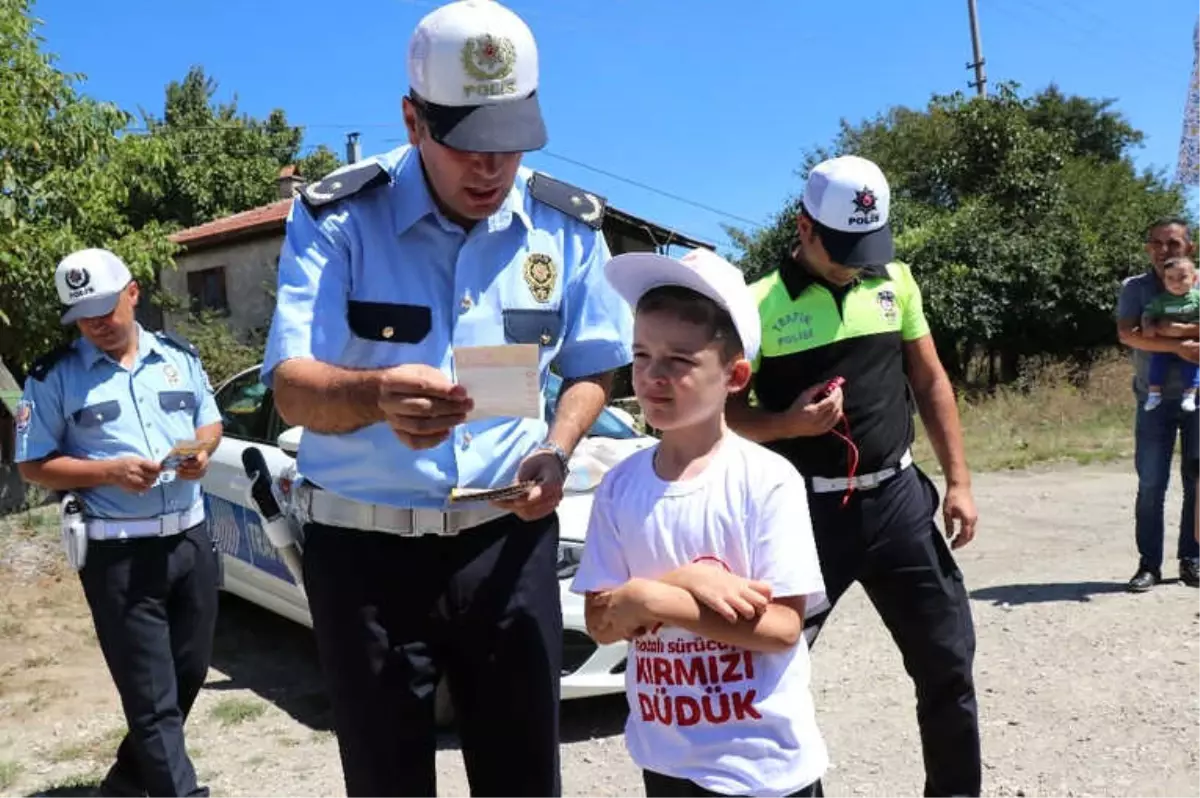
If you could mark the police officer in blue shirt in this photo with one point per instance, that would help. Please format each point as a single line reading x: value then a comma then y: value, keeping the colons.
x: 97, y: 419
x: 388, y: 265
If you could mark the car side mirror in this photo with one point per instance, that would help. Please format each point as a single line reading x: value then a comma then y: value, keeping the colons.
x: 289, y: 440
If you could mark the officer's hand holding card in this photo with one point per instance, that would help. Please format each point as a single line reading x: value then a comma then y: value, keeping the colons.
x: 181, y: 451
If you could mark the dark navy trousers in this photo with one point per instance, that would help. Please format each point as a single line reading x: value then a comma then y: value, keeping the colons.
x: 886, y: 539
x: 154, y: 604
x: 393, y: 614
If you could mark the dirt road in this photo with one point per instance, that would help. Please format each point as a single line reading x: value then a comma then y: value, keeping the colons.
x: 1084, y: 689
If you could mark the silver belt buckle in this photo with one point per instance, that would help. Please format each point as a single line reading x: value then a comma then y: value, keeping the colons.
x: 168, y: 525
x: 432, y: 522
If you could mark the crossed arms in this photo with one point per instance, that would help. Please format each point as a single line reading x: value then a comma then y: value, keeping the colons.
x: 705, y: 600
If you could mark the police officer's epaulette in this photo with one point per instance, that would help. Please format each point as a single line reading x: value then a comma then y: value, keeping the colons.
x: 342, y: 183
x: 46, y: 363
x: 574, y: 202
x: 178, y: 341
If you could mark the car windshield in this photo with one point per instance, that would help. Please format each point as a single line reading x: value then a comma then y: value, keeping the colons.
x: 608, y: 425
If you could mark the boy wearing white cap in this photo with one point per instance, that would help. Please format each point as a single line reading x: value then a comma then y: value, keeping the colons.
x: 699, y: 552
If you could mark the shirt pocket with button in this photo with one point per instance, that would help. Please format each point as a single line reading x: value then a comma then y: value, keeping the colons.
x: 385, y: 333
x: 98, y: 414
x: 95, y: 427
x: 177, y: 400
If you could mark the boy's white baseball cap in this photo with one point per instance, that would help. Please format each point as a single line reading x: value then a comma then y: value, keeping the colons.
x: 89, y: 283
x: 850, y: 198
x: 473, y: 73
x: 633, y: 274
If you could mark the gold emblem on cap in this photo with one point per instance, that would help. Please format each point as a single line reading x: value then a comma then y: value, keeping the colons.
x: 540, y: 276
x: 388, y: 332
x: 489, y: 59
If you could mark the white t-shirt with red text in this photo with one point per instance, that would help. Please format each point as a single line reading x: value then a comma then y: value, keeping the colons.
x: 732, y: 720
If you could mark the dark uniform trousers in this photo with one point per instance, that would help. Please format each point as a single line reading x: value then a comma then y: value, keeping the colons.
x: 154, y: 604
x: 888, y: 541
x: 392, y: 614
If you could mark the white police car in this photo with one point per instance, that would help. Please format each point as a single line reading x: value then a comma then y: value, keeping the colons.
x: 255, y: 571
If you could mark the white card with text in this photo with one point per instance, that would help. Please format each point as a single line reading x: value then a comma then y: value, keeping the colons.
x: 502, y: 380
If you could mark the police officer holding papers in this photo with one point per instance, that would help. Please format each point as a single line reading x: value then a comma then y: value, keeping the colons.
x: 390, y: 268
x: 101, y: 418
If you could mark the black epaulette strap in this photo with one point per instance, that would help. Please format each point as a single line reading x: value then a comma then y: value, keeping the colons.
x: 343, y: 183
x: 581, y: 205
x: 179, y: 342
x: 44, y: 364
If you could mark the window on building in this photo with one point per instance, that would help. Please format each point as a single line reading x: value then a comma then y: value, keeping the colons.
x: 206, y: 290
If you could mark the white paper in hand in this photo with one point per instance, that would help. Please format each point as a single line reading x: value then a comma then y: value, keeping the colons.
x: 501, y: 380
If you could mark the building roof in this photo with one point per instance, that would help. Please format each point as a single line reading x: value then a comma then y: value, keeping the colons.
x: 270, y: 220
x: 265, y: 219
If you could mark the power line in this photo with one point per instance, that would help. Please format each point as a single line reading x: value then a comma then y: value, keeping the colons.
x: 650, y: 188
x: 548, y: 153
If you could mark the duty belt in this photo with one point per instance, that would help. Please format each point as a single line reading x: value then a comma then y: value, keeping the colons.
x: 324, y: 507
x: 161, y: 527
x: 859, y: 481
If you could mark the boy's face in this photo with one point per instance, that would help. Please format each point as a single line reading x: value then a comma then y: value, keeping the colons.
x: 678, y: 374
x: 1180, y: 278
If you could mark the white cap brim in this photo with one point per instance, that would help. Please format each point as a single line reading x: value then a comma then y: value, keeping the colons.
x: 634, y: 274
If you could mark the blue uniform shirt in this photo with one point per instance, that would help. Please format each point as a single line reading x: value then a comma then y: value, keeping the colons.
x: 88, y: 406
x: 382, y: 278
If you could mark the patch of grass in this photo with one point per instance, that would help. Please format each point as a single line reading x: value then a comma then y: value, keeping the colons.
x: 231, y: 711
x: 9, y: 771
x: 1047, y: 416
x: 322, y: 736
x: 80, y: 784
x: 100, y: 748
x: 11, y: 627
x: 255, y: 761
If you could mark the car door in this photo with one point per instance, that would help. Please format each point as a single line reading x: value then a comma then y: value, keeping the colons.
x: 247, y: 410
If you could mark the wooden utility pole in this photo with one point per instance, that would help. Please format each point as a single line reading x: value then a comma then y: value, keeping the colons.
x: 980, y: 82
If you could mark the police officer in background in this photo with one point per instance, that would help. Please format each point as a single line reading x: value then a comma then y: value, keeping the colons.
x: 844, y: 307
x: 97, y: 419
x: 387, y: 266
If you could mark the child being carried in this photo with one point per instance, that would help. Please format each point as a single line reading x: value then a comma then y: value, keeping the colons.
x: 1179, y: 303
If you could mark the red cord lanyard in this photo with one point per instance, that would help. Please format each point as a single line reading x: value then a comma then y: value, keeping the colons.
x: 853, y: 451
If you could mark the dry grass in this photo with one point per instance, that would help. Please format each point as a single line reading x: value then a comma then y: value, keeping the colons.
x: 1048, y: 417
x: 231, y: 711
x: 9, y: 771
x: 100, y: 748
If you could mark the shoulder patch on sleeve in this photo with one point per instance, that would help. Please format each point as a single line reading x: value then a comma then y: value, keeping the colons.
x: 340, y: 184
x: 574, y: 202
x: 179, y: 342
x: 46, y: 363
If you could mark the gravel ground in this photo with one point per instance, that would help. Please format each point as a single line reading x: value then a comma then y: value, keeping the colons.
x: 1084, y: 689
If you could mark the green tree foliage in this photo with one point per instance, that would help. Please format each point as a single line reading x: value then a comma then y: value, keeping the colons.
x: 65, y: 178
x: 76, y: 172
x: 222, y: 354
x: 221, y: 160
x: 1019, y: 216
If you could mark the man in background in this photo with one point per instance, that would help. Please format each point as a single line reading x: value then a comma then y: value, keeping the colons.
x: 1155, y: 431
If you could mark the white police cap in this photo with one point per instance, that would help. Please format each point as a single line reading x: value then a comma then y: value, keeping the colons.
x: 473, y: 73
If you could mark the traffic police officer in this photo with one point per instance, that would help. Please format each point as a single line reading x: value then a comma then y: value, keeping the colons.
x: 388, y: 265
x: 844, y: 308
x: 97, y: 419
